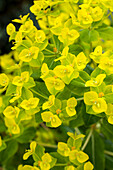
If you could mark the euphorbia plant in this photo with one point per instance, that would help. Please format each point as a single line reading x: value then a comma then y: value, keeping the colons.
x: 58, y: 80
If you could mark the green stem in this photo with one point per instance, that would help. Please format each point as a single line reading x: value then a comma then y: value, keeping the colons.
x: 6, y: 140
x: 49, y: 51
x: 87, y: 139
x: 93, y: 146
x: 51, y: 64
x: 61, y: 164
x: 108, y: 153
x: 53, y: 40
x: 12, y: 137
x: 44, y: 126
x: 50, y: 56
x: 39, y: 94
x: 79, y: 99
x: 110, y: 13
x: 78, y: 131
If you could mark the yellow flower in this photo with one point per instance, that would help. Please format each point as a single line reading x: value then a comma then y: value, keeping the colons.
x: 17, y: 95
x: 108, y: 4
x: 18, y: 38
x: 68, y: 36
x: 64, y: 72
x: 70, y: 167
x: 29, y: 104
x: 78, y: 155
x: 26, y: 27
x: 10, y: 29
x: 20, y: 80
x: 94, y: 82
x: 43, y: 23
x: 1, y: 102
x: 30, y: 151
x: 90, y: 97
x: 109, y: 113
x: 4, y: 81
x: 36, y: 7
x: 46, y: 116
x: 44, y: 70
x: 46, y: 157
x: 63, y: 149
x: 57, y: 22
x: 22, y: 19
x: 84, y: 18
x: 45, y: 163
x: 27, y: 55
x: 49, y: 103
x: 65, y: 51
x: 55, y: 121
x: 54, y: 84
x: 0, y: 141
x: 64, y: 54
x: 88, y: 166
x: 98, y: 104
x: 97, y: 54
x: 11, y: 112
x: 27, y: 167
x: 40, y: 36
x: 110, y: 119
x: 7, y: 63
x: 97, y: 13
x: 12, y: 126
x: 106, y: 64
x: 70, y: 109
x: 81, y: 61
x: 49, y: 117
x: 75, y: 136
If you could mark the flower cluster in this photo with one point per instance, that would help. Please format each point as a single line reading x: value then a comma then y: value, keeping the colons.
x: 60, y: 75
x: 44, y: 161
x: 58, y: 110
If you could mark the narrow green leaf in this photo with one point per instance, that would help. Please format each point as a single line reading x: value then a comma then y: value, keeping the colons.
x: 95, y: 150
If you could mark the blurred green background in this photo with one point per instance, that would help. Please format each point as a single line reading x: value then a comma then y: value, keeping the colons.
x: 9, y: 10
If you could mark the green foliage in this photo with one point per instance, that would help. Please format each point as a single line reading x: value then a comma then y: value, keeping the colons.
x: 57, y: 82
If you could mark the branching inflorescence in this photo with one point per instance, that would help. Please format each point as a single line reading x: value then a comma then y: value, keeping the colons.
x: 53, y: 70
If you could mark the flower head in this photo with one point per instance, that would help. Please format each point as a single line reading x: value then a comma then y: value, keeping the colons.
x: 20, y: 80
x: 31, y: 103
x: 30, y: 151
x: 63, y: 149
x: 10, y: 29
x: 70, y: 109
x: 53, y: 119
